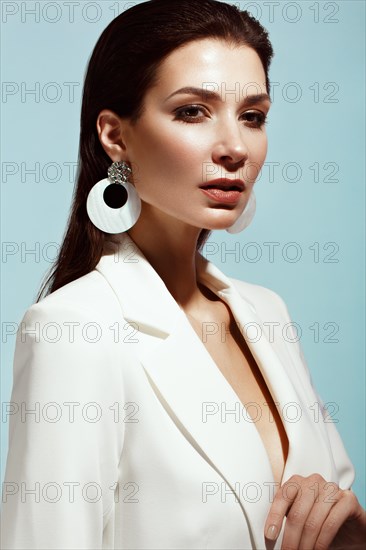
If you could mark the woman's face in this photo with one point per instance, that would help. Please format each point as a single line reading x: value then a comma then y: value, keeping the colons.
x: 187, y: 139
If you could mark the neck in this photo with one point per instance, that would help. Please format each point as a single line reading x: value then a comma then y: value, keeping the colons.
x: 170, y: 247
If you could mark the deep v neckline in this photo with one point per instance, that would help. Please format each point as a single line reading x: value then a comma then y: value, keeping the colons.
x: 260, y: 385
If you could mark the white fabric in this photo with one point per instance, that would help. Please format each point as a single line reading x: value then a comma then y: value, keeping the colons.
x: 139, y: 418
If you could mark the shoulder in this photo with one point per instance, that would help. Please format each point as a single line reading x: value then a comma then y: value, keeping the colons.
x: 71, y: 334
x: 264, y: 300
x: 88, y: 297
x: 81, y: 319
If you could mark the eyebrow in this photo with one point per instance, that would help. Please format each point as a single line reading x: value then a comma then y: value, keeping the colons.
x: 209, y: 94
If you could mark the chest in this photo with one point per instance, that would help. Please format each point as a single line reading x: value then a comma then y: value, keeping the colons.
x: 231, y: 354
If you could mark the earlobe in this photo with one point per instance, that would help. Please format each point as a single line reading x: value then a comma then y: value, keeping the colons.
x: 109, y: 128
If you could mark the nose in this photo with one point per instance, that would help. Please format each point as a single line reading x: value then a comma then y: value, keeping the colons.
x: 230, y: 149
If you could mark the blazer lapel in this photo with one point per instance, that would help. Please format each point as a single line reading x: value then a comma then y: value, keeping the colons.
x: 193, y: 390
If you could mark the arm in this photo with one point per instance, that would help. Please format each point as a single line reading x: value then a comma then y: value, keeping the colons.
x: 344, y: 466
x: 316, y: 520
x: 63, y: 458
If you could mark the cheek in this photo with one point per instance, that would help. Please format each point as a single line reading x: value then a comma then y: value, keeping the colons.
x: 164, y: 163
x: 257, y: 157
x: 167, y: 153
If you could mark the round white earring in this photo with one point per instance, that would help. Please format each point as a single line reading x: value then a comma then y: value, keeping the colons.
x: 245, y: 217
x: 113, y: 204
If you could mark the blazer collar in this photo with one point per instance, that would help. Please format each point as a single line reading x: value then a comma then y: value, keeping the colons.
x: 142, y: 294
x: 188, y: 383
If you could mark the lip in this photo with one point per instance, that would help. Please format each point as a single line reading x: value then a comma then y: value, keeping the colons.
x: 224, y: 190
x: 223, y: 196
x: 224, y: 184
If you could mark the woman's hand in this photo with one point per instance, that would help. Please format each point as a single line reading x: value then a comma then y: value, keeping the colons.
x: 320, y: 516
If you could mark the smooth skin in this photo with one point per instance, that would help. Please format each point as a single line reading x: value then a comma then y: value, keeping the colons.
x: 320, y: 515
x: 181, y: 141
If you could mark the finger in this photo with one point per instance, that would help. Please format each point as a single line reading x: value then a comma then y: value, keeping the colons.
x: 323, y: 504
x: 284, y: 498
x: 343, y: 510
x: 297, y: 517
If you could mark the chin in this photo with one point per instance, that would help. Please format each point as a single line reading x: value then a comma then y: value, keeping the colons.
x: 222, y: 222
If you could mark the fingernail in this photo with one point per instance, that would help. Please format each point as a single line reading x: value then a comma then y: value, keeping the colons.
x: 271, y: 532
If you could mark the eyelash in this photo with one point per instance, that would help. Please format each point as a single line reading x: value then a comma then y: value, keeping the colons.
x: 262, y: 118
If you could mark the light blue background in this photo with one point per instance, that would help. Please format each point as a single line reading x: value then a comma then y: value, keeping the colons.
x: 311, y: 52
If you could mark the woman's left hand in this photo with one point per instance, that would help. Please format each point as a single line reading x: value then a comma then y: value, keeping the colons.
x: 319, y: 516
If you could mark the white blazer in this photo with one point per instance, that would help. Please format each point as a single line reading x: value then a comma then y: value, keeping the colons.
x: 136, y: 439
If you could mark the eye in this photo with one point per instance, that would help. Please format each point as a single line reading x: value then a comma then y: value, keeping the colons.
x: 188, y: 113
x: 255, y: 119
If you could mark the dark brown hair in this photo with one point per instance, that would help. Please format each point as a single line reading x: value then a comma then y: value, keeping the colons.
x: 121, y: 69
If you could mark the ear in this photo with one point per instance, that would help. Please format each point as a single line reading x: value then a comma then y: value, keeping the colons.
x: 110, y: 133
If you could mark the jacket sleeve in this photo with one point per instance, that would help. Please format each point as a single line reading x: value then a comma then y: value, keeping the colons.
x: 344, y: 466
x: 65, y: 439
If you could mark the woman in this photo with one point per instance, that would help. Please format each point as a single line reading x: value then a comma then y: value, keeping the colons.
x: 159, y: 419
